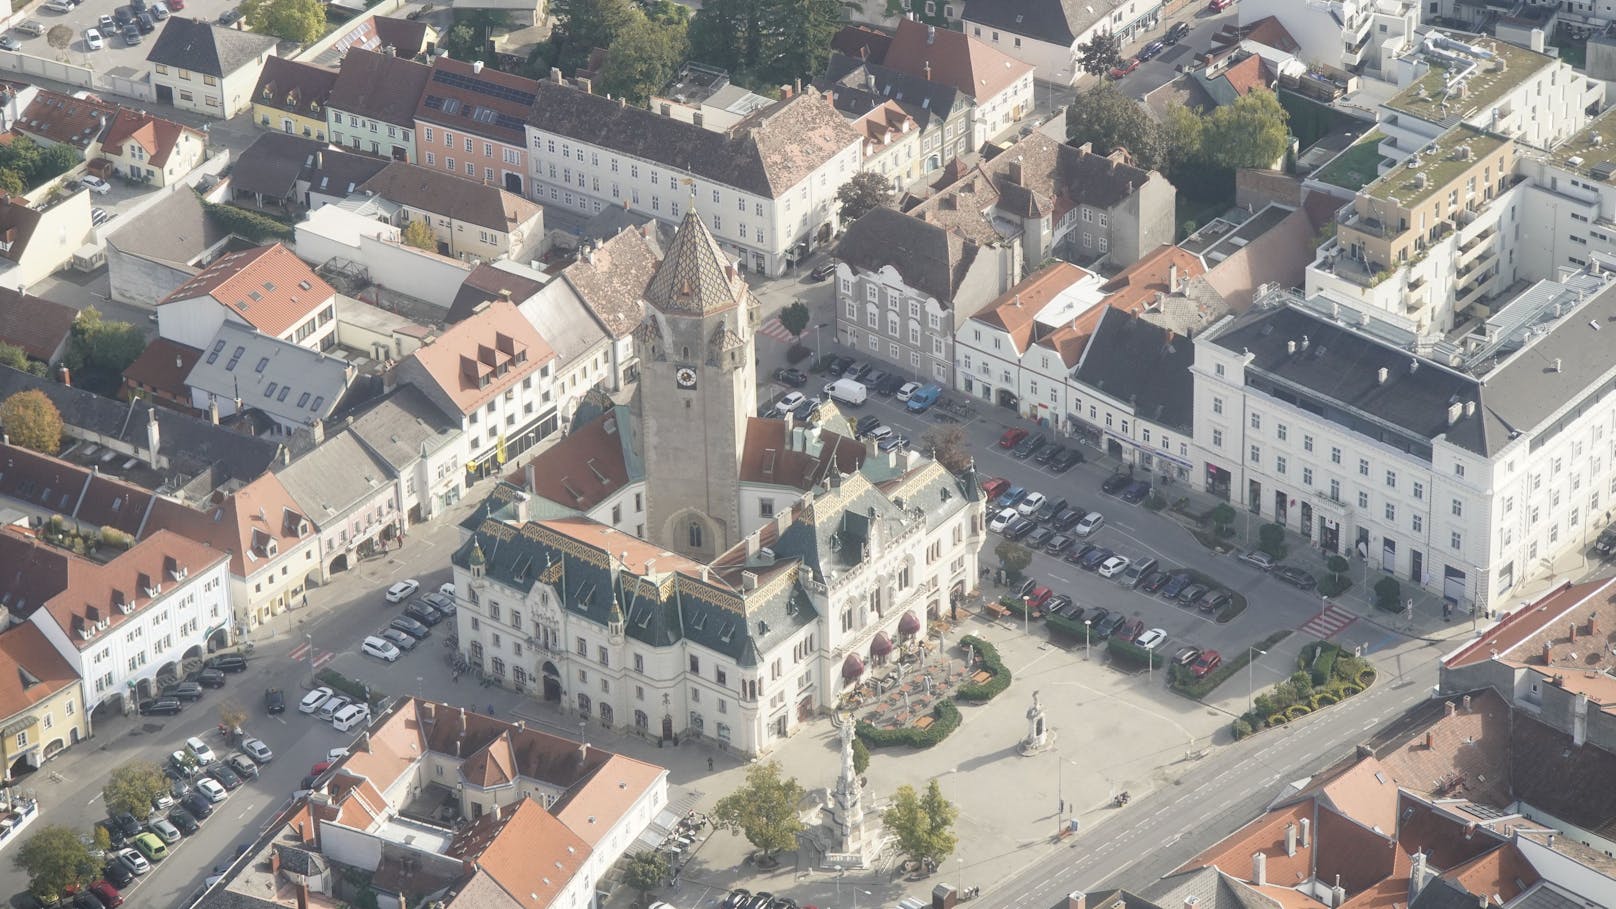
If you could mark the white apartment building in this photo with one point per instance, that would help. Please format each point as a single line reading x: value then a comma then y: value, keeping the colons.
x: 765, y: 188
x: 1354, y: 35
x: 1047, y: 33
x: 123, y: 623
x: 1023, y: 346
x: 1466, y: 465
x: 1569, y: 207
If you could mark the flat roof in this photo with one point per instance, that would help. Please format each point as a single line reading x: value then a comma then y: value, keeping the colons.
x: 1593, y: 147
x: 1423, y: 97
x: 1437, y: 162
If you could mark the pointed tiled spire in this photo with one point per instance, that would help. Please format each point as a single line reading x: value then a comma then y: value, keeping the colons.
x: 696, y: 277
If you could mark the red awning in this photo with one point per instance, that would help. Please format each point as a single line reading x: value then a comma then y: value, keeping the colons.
x: 882, y: 645
x: 909, y: 624
x: 852, y: 667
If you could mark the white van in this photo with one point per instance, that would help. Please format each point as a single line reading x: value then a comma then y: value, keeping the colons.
x: 847, y: 391
x: 351, y: 716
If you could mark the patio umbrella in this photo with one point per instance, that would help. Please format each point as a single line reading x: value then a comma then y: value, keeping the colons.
x: 852, y: 667
x: 881, y: 646
x: 909, y: 624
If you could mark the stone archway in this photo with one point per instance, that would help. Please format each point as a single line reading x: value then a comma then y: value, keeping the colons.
x: 219, y: 640
x: 338, y: 564
x: 168, y: 673
x: 552, y: 682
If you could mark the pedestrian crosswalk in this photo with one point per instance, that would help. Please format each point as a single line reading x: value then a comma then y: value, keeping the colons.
x: 773, y: 329
x: 301, y: 652
x: 1328, y: 623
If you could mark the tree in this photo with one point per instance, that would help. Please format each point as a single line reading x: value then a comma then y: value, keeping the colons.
x: 800, y: 31
x: 32, y: 421
x: 764, y: 810
x: 302, y: 21
x: 107, y: 347
x: 922, y: 823
x: 55, y: 859
x: 1389, y: 595
x: 728, y: 34
x: 418, y: 233
x: 861, y: 756
x: 13, y: 357
x: 101, y: 839
x: 643, y: 58
x: 949, y: 446
x: 666, y: 12
x: 864, y: 193
x: 645, y: 871
x: 1013, y: 557
x: 468, y: 39
x: 1180, y: 132
x: 1222, y: 516
x: 1108, y: 119
x: 131, y: 788
x: 12, y: 182
x: 794, y: 318
x: 59, y: 37
x: 1271, y: 539
x: 231, y: 715
x: 583, y: 25
x: 1337, y: 566
x: 1100, y: 54
x: 1251, y: 132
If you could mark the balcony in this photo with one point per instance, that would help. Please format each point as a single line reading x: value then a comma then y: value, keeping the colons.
x: 1366, y: 224
x: 1487, y: 256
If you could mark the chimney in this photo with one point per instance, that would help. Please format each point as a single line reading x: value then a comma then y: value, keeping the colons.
x: 666, y: 109
x: 1430, y: 740
x: 1290, y: 839
x: 1338, y: 893
x: 695, y: 119
x: 927, y: 70
x: 588, y: 85
x: 1172, y: 277
x: 1013, y: 173
x: 1449, y: 709
x: 213, y: 411
x: 476, y: 67
x: 65, y: 375
x: 1307, y: 835
x: 785, y: 92
x: 931, y: 34
x: 1416, y: 876
x: 1259, y: 869
x: 153, y: 435
x: 555, y: 74
x: 1192, y: 902
x: 319, y: 160
x: 1467, y: 703
x: 1077, y: 899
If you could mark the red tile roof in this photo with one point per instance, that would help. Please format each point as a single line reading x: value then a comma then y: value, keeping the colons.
x: 488, y: 352
x: 85, y: 496
x: 242, y: 523
x: 1017, y: 309
x: 1503, y: 872
x: 862, y: 42
x: 534, y: 854
x: 268, y: 286
x: 55, y: 117
x: 1139, y: 283
x: 581, y: 470
x: 36, y: 325
x: 1233, y: 854
x: 31, y: 670
x: 162, y: 367
x: 768, y: 456
x: 1248, y: 74
x: 158, y: 137
x: 952, y: 58
x: 476, y: 99
x: 1551, y: 615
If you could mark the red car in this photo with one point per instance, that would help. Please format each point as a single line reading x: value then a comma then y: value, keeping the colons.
x: 320, y: 768
x: 1205, y: 663
x: 1012, y: 438
x: 175, y: 5
x: 993, y: 487
x: 1216, y: 6
x: 1037, y: 598
x: 107, y: 894
x: 1123, y: 69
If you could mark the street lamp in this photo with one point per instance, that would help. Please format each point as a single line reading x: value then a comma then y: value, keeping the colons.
x: 818, y: 354
x: 961, y: 862
x: 1251, y: 675
x: 1086, y: 624
x: 309, y: 640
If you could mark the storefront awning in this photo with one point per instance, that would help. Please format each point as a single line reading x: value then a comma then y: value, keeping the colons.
x: 882, y: 645
x: 909, y: 624
x: 852, y: 667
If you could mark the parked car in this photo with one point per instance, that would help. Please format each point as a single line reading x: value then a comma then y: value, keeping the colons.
x: 1111, y: 625
x: 1064, y: 460
x: 1090, y: 523
x: 398, y: 638
x: 423, y: 613
x: 796, y: 378
x: 1136, y: 492
x: 1036, y: 599
x: 351, y: 716
x: 1029, y: 445
x: 165, y: 831
x: 184, y: 820
x: 1011, y: 497
x: 1019, y: 528
x: 1204, y: 600
x: 1049, y: 509
x: 1038, y: 537
x: 1031, y: 503
x: 1258, y: 559
x: 199, y: 750
x: 312, y: 701
x: 1047, y: 453
x: 1219, y: 602
x: 213, y: 790
x: 907, y: 391
x: 226, y: 662
x: 1136, y: 572
x: 332, y: 705
x: 1176, y: 582
x: 1130, y: 629
x: 1113, y: 566
x: 1124, y: 68
x: 1000, y: 522
x: 1152, y: 49
x: 160, y: 707
x: 1095, y: 559
x: 117, y: 872
x: 126, y: 824
x: 274, y: 700
x: 1077, y: 552
x: 1206, y: 662
x: 1295, y: 577
x: 875, y: 378
x: 1115, y: 483
x: 1057, y: 544
x: 402, y: 590
x: 788, y: 401
x: 131, y: 35
x: 182, y: 765
x: 9, y: 43
x: 146, y: 23
x: 1154, y: 581
x: 410, y: 627
x: 380, y: 648
x: 1069, y: 519
x: 1058, y: 604
x: 1186, y: 655
x: 257, y: 750
x: 159, y: 10
x: 1151, y: 639
x: 1012, y: 437
x: 1176, y: 33
x: 1218, y: 6
x: 99, y: 216
x: 1190, y: 594
x: 108, y: 895
x: 199, y: 805
x: 207, y: 678
x: 224, y: 776
x: 132, y: 860
x: 183, y: 691
x: 92, y: 41
x: 1606, y: 544
x: 243, y: 766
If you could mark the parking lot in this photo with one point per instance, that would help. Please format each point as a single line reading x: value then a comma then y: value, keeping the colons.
x: 115, y: 53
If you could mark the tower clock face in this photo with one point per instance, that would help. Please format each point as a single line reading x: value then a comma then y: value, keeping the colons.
x: 685, y: 376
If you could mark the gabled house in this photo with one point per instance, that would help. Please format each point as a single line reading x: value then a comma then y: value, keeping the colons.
x: 245, y: 371
x: 1046, y: 33
x: 291, y: 97
x: 1018, y: 350
x: 471, y: 122
x: 206, y: 68
x: 42, y: 708
x: 267, y: 288
x: 35, y: 242
x: 469, y: 220
x: 372, y: 106
x: 291, y: 174
x: 421, y: 446
x: 999, y: 85
x: 53, y: 118
x: 351, y: 495
x: 151, y: 149
x: 39, y: 327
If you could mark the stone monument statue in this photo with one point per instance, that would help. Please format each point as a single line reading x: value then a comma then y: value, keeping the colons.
x: 1039, y: 736
x: 850, y: 841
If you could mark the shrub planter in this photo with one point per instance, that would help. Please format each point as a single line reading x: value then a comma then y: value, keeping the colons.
x: 945, y: 719
x: 991, y: 663
x: 1365, y: 679
x: 1277, y: 719
x: 1297, y: 711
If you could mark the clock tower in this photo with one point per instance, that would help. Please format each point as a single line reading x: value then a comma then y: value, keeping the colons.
x: 698, y: 388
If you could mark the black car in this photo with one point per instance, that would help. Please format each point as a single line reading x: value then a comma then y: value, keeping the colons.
x: 807, y: 411
x: 1217, y: 603
x: 1606, y: 544
x: 410, y: 627
x: 131, y: 35
x: 1077, y: 553
x: 1115, y: 483
x: 823, y: 271
x: 1151, y: 49
x: 1058, y: 544
x: 182, y: 819
x: 1295, y: 577
x: 120, y: 876
x: 1154, y: 581
x: 198, y: 805
x: 1176, y: 33
x: 1095, y: 558
x: 890, y: 385
x: 126, y: 824
x: 1099, y: 617
x: 207, y: 678
x: 183, y: 691
x: 114, y: 834
x: 836, y: 366
x: 1039, y: 538
x: 274, y: 700
x: 1136, y: 492
x: 1068, y: 519
x: 865, y: 425
x: 426, y: 615
x: 161, y: 707
x: 1029, y: 446
x: 147, y: 25
x: 1019, y: 528
x: 122, y: 16
x: 1047, y: 453
x: 1115, y: 622
x: 796, y: 378
x: 1058, y: 604
x: 227, y: 662
x: 229, y: 16
x: 225, y: 777
x: 856, y: 370
x: 1063, y: 461
x: 874, y: 378
x: 1050, y: 508
x: 1176, y: 582
x: 84, y: 899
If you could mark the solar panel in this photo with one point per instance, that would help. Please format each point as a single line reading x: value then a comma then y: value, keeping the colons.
x: 1604, y: 171
x: 481, y: 87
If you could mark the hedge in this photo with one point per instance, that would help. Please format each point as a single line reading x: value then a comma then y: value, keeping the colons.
x: 1297, y: 711
x: 1331, y: 586
x: 1128, y: 652
x: 1365, y: 679
x: 986, y: 691
x: 1324, y: 665
x: 945, y: 716
x: 1181, y: 680
x: 1067, y: 625
x: 249, y: 224
x: 356, y: 690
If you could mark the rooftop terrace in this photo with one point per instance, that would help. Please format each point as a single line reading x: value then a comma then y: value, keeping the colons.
x: 1440, y: 163
x: 1592, y: 150
x: 1499, y: 67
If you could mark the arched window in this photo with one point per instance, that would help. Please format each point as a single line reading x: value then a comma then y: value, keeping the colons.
x: 641, y: 721
x: 684, y: 353
x: 605, y: 713
x: 695, y: 535
x: 583, y: 703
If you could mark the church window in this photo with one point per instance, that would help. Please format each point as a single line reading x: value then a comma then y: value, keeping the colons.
x: 695, y: 535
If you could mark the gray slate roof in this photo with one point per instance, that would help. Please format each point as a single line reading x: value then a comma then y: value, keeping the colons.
x: 449, y: 196
x: 403, y: 425
x: 187, y: 230
x: 202, y: 47
x: 929, y: 258
x: 1129, y: 358
x: 334, y: 478
x: 562, y: 317
x: 191, y: 444
x: 1211, y: 888
x: 856, y: 95
x: 1054, y: 21
x: 284, y: 380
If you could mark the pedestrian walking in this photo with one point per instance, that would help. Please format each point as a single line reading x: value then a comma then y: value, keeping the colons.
x: 709, y: 764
